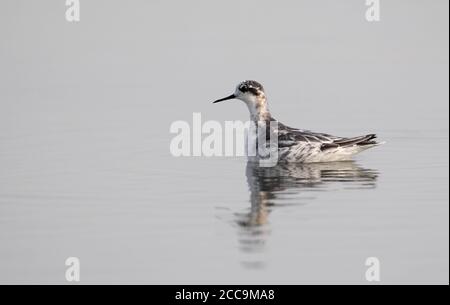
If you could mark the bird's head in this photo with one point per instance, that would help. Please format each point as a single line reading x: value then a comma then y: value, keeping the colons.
x: 251, y: 93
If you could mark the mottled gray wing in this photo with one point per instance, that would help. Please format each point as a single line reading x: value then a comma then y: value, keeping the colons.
x: 288, y: 136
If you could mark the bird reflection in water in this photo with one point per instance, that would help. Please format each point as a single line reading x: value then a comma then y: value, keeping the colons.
x: 273, y: 187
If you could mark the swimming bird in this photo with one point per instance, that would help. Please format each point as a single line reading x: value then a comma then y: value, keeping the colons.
x: 298, y: 145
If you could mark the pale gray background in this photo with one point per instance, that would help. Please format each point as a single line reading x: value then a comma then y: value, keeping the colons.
x: 85, y: 168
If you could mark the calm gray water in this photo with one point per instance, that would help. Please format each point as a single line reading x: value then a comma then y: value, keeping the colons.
x: 86, y: 171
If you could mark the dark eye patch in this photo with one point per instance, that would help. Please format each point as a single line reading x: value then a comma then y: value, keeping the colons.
x: 251, y: 86
x: 243, y: 88
x: 247, y: 88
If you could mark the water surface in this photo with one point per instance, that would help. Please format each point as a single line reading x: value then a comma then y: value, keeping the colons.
x: 86, y: 171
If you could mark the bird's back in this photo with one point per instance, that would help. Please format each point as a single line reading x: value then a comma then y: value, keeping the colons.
x: 297, y: 145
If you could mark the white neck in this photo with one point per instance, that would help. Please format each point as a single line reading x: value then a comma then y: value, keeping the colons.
x: 258, y: 108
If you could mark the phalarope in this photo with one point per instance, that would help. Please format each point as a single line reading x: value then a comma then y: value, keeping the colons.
x: 297, y: 145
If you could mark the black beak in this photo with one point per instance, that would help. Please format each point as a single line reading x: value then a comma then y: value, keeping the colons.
x: 225, y: 98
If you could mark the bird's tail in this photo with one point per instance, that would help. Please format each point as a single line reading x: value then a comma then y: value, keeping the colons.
x: 367, y: 140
